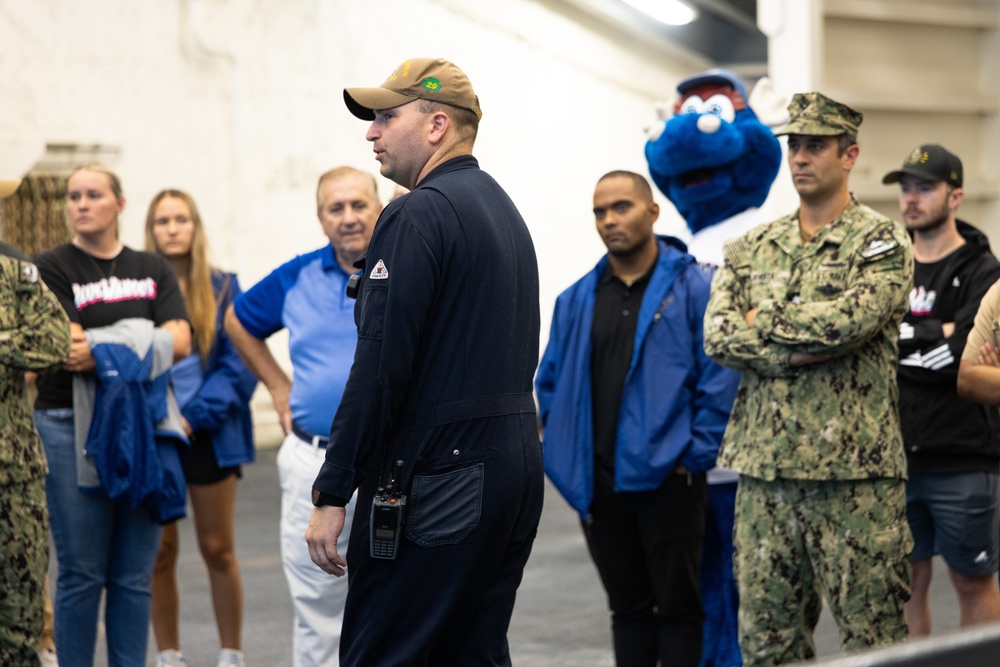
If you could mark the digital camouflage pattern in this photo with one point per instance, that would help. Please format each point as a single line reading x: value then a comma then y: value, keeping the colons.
x: 34, y: 335
x: 842, y: 294
x: 24, y: 560
x: 821, y: 504
x: 854, y: 545
x: 817, y: 115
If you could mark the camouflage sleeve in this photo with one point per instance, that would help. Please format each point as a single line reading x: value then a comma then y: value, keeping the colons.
x: 728, y: 339
x: 35, y: 332
x: 876, y: 291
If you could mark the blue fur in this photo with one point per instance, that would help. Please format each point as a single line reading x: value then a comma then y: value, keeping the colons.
x: 745, y: 156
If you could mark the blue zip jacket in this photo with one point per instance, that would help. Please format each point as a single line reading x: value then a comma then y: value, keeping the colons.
x: 675, y: 403
x: 221, y: 404
x: 135, y: 428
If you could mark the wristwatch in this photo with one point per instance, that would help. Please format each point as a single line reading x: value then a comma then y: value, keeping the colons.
x: 321, y: 499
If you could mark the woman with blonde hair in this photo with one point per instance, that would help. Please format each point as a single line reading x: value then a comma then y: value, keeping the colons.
x: 213, y: 390
x: 106, y: 539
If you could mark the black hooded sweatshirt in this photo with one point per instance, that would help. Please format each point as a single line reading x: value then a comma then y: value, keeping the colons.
x: 943, y: 433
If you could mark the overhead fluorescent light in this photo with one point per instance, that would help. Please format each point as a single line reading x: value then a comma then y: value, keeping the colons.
x: 671, y: 12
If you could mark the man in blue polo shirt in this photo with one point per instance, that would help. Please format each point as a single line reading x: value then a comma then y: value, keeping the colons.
x: 307, y: 296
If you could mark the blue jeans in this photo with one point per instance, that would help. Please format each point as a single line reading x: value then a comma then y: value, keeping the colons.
x: 100, y: 544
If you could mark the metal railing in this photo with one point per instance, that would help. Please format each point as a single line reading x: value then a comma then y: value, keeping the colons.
x: 976, y: 647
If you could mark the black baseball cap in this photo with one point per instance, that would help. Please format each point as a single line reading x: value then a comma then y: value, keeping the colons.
x: 929, y: 162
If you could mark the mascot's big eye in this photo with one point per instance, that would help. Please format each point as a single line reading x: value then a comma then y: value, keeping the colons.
x: 693, y: 104
x: 721, y: 106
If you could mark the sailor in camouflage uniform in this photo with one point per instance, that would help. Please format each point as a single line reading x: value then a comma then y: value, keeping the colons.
x: 34, y: 335
x: 808, y: 307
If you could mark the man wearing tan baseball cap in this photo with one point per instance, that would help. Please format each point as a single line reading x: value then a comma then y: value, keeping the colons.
x: 432, y: 79
x: 437, y: 428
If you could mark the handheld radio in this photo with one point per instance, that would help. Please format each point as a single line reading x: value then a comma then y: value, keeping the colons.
x: 388, y: 511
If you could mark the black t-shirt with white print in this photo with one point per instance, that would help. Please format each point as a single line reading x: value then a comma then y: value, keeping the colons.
x: 99, y: 292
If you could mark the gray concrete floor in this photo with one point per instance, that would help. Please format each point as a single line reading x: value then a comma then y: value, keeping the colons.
x: 560, y: 618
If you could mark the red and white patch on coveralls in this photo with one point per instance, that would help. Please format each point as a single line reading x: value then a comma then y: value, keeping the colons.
x: 379, y: 272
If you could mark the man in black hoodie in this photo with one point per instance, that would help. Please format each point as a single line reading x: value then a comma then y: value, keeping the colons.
x: 953, y: 454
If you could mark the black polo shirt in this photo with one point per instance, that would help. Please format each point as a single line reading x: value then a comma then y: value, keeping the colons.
x: 612, y: 337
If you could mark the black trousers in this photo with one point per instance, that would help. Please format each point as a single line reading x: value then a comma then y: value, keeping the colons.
x: 475, y: 496
x: 647, y: 549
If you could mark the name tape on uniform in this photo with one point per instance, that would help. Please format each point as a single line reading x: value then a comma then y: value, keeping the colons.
x: 879, y: 247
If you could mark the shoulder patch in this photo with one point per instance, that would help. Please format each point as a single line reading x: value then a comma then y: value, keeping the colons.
x: 878, y: 247
x: 29, y: 273
x: 27, y: 278
x: 379, y: 272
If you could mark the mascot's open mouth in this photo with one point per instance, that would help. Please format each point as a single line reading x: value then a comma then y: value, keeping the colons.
x: 696, y: 177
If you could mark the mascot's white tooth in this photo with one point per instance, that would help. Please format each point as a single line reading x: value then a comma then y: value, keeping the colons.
x: 709, y: 123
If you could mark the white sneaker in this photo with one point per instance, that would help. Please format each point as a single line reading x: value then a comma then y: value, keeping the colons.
x: 48, y: 658
x: 231, y: 658
x: 170, y: 658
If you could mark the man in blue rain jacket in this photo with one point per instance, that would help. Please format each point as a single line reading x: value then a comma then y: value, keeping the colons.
x: 634, y: 412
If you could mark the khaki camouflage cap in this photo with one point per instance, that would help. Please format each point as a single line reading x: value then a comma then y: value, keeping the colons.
x: 817, y: 115
x: 432, y: 79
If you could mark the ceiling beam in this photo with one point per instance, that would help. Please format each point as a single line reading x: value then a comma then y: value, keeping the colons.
x: 728, y: 12
x: 628, y: 21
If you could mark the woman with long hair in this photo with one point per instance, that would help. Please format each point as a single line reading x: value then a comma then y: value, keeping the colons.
x: 105, y: 541
x: 213, y: 390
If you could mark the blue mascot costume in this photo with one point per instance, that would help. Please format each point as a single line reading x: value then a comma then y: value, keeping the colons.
x: 715, y: 161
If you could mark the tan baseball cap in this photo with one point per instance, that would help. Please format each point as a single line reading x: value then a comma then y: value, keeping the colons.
x: 432, y: 79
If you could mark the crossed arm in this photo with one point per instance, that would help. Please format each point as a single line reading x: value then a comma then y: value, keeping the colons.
x: 979, y: 381
x: 797, y: 357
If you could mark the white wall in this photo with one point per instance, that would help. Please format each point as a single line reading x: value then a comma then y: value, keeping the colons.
x: 874, y: 56
x: 240, y: 103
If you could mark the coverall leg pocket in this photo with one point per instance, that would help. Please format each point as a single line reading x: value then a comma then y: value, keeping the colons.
x: 446, y: 508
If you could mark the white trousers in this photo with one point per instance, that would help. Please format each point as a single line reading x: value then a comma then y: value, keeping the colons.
x: 318, y: 597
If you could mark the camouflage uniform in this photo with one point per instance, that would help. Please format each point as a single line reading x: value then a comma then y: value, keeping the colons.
x: 34, y: 335
x: 821, y: 505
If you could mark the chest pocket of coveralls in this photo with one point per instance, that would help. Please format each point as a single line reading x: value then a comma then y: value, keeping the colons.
x: 371, y: 322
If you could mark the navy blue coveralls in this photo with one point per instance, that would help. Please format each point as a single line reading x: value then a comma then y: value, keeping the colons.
x: 440, y: 392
